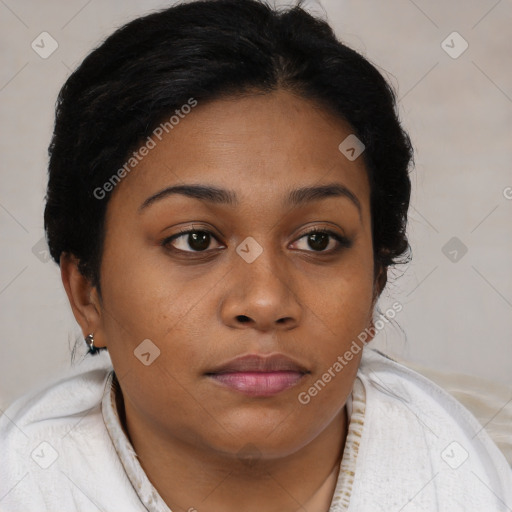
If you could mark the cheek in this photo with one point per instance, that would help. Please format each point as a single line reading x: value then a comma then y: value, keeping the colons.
x: 148, y: 298
x: 344, y: 310
x: 150, y: 311
x: 138, y: 287
x: 150, y: 306
x: 344, y: 301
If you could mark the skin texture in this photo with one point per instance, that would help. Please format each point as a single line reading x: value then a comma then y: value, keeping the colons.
x: 298, y: 300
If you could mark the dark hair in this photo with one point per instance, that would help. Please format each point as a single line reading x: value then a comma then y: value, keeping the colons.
x: 207, y: 50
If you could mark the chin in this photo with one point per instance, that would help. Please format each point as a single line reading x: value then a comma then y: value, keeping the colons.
x: 253, y: 441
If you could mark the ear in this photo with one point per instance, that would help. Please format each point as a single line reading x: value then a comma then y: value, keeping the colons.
x: 83, y: 298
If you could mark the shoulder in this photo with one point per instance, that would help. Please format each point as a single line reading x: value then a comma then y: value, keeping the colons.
x: 403, y: 384
x: 58, y: 402
x: 395, y: 383
x: 55, y: 448
x: 424, y: 436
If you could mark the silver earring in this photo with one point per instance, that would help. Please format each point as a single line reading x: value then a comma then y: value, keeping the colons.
x: 90, y: 342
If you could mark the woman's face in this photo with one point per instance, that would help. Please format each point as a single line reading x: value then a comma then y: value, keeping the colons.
x: 248, y: 280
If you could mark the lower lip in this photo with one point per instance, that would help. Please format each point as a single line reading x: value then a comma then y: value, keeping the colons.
x: 259, y: 383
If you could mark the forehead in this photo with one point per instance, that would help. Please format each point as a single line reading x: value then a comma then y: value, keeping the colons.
x: 262, y: 146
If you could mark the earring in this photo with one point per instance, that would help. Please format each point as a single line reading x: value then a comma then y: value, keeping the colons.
x: 90, y: 343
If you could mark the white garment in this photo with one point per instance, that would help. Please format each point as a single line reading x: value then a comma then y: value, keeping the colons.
x: 410, y: 447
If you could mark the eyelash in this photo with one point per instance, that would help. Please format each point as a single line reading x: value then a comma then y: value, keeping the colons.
x: 344, y: 243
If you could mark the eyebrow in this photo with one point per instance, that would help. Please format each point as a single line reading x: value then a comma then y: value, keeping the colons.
x: 216, y: 195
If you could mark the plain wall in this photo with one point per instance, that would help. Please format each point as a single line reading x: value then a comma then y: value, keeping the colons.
x: 458, y: 111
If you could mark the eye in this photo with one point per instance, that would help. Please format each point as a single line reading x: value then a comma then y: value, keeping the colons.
x: 197, y: 240
x: 318, y: 240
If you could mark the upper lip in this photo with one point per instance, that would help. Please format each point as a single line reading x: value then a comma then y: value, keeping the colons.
x: 259, y: 363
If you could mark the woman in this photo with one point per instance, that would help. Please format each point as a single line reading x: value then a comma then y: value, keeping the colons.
x: 228, y: 187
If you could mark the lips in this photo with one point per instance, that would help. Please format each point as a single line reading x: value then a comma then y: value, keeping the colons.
x: 259, y: 376
x: 258, y: 363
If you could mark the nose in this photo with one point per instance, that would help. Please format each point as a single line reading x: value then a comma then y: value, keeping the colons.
x: 261, y: 295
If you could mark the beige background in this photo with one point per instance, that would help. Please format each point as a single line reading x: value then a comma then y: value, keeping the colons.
x: 456, y: 315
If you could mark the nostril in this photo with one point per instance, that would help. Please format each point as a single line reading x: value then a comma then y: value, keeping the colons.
x: 243, y: 318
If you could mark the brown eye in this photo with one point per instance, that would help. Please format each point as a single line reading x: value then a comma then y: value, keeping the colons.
x: 319, y: 240
x: 196, y: 240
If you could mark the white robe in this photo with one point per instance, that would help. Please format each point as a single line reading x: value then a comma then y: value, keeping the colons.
x: 410, y: 447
